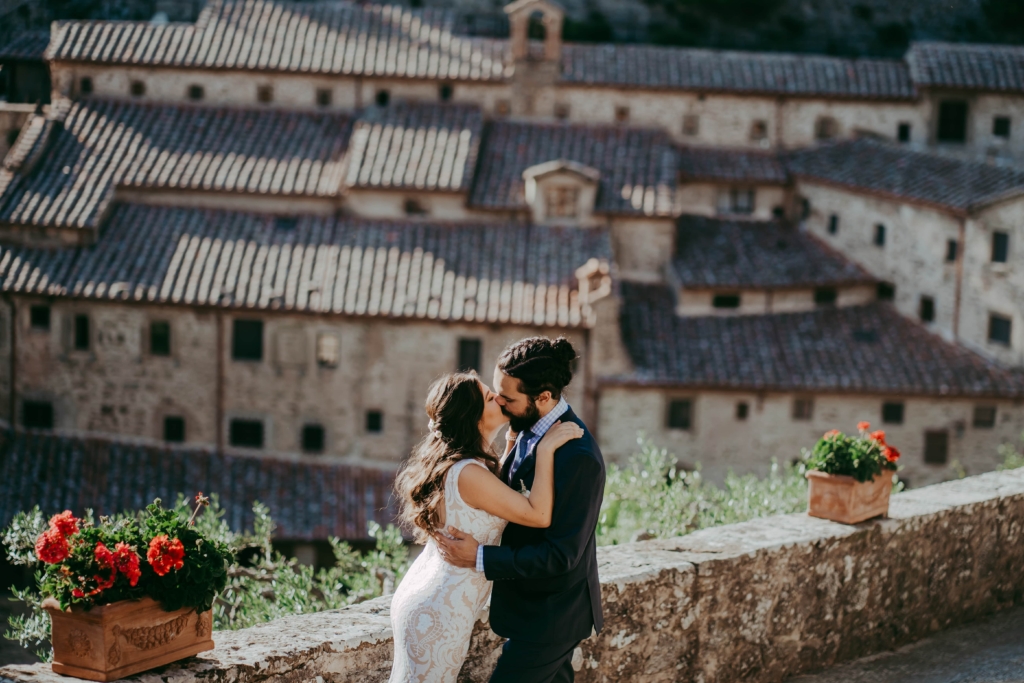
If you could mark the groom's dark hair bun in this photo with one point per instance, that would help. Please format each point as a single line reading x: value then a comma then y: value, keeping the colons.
x: 540, y: 364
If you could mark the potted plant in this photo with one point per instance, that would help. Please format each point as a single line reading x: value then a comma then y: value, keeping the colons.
x: 129, y: 593
x: 850, y: 477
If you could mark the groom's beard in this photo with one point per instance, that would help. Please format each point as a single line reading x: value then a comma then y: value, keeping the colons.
x: 518, y: 423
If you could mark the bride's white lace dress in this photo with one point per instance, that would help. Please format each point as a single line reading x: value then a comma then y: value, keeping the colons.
x: 436, y: 605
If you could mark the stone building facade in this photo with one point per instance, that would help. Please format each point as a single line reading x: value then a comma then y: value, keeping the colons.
x: 268, y: 230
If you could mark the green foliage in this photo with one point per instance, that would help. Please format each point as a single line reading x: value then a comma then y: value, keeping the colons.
x: 651, y: 498
x: 594, y: 29
x: 862, y: 457
x: 253, y: 583
x: 1013, y: 455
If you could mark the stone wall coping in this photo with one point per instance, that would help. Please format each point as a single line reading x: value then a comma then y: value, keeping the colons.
x: 689, y: 570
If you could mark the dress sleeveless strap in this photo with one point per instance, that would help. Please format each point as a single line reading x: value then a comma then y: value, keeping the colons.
x: 452, y: 483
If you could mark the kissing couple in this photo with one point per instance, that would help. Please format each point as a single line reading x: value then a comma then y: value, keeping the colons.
x: 523, y: 523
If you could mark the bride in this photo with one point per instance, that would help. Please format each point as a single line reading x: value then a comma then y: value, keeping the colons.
x: 451, y: 479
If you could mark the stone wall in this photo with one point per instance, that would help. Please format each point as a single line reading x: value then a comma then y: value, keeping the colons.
x: 720, y: 441
x: 756, y: 601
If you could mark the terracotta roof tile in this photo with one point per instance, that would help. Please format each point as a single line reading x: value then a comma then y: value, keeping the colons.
x: 485, y: 273
x: 867, y: 349
x: 899, y: 172
x: 645, y: 66
x: 637, y: 166
x: 27, y: 46
x: 714, y: 253
x: 96, y: 145
x: 421, y: 146
x: 998, y: 68
x: 731, y: 165
x: 308, y: 500
x: 339, y: 38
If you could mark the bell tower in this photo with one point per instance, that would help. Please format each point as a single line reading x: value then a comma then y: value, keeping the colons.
x: 536, y: 66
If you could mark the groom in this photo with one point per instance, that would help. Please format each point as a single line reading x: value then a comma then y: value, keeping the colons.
x: 546, y: 597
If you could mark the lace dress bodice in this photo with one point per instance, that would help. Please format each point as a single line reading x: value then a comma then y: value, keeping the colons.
x: 436, y: 605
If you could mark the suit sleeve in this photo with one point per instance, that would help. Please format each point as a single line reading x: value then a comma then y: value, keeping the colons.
x: 579, y: 488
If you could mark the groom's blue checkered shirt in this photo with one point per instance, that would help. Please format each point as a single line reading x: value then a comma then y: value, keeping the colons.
x: 539, y: 429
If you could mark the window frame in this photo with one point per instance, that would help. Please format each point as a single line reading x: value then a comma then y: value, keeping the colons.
x: 238, y: 346
x: 903, y: 131
x: 371, y: 418
x: 952, y: 250
x: 33, y: 404
x: 802, y: 409
x: 943, y: 124
x: 878, y: 239
x: 679, y: 414
x: 195, y: 92
x: 324, y: 97
x: 833, y: 224
x: 932, y: 439
x: 166, y: 428
x: 310, y: 428
x: 993, y: 319
x: 469, y: 347
x: 893, y: 412
x: 926, y: 308
x: 978, y: 411
x: 1000, y: 246
x: 81, y: 332
x: 240, y: 422
x: 153, y: 337
x: 35, y: 323
x: 1001, y: 127
x: 727, y: 300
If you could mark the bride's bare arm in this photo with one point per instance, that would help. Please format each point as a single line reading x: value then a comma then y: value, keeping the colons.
x: 484, y: 491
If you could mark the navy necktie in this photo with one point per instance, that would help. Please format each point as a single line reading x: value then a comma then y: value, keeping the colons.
x: 521, y: 451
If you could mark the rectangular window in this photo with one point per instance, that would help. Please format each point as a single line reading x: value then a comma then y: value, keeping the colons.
x: 759, y: 131
x: 85, y: 85
x: 926, y: 309
x: 825, y: 296
x: 833, y: 224
x: 691, y: 125
x: 446, y: 91
x: 327, y: 350
x: 951, y: 249
x: 374, y: 421
x: 160, y: 338
x: 264, y: 94
x: 382, y: 98
x: 936, y: 447
x: 742, y: 200
x: 742, y: 410
x: 81, y: 332
x: 885, y: 291
x: 39, y: 317
x: 678, y: 414
x: 246, y: 433
x: 985, y: 417
x: 323, y: 97
x: 174, y: 429
x: 803, y: 408
x: 1001, y: 127
x: 999, y: 329
x: 196, y: 92
x: 952, y: 121
x: 247, y: 341
x: 313, y: 438
x: 903, y: 132
x: 1000, y: 246
x: 892, y: 413
x: 413, y: 207
x: 726, y: 301
x: 621, y: 114
x: 137, y: 88
x: 562, y: 201
x: 37, y: 414
x: 469, y: 355
x: 879, y: 239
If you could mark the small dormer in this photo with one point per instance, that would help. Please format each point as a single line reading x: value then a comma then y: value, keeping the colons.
x: 561, y: 192
x: 535, y: 17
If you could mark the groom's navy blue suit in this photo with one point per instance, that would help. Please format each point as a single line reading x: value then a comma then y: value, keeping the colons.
x: 547, y: 596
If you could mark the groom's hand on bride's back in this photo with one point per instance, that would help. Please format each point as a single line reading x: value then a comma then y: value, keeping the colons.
x: 460, y: 550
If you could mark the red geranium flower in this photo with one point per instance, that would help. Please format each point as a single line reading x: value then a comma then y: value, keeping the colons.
x: 77, y: 593
x: 105, y: 558
x: 165, y: 554
x: 65, y: 522
x: 891, y: 453
x: 878, y: 436
x: 832, y: 432
x: 126, y: 560
x: 863, y: 426
x: 51, y: 546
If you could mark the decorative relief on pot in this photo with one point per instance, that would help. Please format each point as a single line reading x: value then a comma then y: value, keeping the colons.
x: 146, y: 637
x: 79, y: 643
x: 203, y: 625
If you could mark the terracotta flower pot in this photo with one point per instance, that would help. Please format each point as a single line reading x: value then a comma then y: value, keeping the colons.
x: 123, y: 638
x: 844, y: 499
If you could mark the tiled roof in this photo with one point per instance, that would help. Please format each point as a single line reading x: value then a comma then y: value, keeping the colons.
x: 896, y: 171
x: 637, y: 166
x: 486, y: 273
x: 730, y: 165
x: 422, y: 146
x: 998, y: 68
x: 308, y: 500
x: 714, y: 253
x: 337, y: 38
x: 29, y: 45
x: 644, y: 66
x: 101, y: 145
x: 867, y: 349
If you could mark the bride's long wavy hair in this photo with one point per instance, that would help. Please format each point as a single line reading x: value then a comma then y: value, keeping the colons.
x: 454, y: 405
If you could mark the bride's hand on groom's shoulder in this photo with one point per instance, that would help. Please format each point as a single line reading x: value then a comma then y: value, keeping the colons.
x: 560, y: 434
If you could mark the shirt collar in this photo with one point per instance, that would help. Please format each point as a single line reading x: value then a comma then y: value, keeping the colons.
x: 541, y: 427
